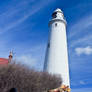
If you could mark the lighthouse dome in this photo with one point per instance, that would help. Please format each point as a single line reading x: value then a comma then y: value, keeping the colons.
x: 58, y: 14
x: 58, y: 10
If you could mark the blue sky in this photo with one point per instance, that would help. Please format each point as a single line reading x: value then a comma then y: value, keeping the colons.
x: 24, y: 29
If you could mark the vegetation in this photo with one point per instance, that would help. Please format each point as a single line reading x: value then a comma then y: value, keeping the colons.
x: 26, y: 80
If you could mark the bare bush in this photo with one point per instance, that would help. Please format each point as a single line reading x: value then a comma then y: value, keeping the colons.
x: 26, y: 80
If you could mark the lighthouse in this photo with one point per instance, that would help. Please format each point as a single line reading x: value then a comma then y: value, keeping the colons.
x: 56, y: 59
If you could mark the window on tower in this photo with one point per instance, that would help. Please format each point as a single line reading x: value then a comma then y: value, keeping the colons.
x: 55, y: 24
x: 48, y: 45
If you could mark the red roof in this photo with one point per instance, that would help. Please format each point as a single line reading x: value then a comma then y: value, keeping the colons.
x: 3, y: 61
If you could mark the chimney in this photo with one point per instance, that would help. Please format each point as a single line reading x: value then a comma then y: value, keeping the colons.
x: 10, y: 56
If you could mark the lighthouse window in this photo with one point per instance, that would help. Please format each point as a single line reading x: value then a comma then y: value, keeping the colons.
x: 48, y: 45
x: 54, y: 15
x: 55, y: 24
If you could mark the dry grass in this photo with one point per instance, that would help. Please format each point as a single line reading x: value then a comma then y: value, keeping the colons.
x: 26, y: 80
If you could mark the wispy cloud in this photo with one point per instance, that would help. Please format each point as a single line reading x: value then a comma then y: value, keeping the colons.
x: 80, y: 25
x: 13, y: 17
x: 32, y: 57
x: 85, y: 40
x: 24, y: 12
x: 27, y: 60
x: 82, y: 90
x: 82, y: 82
x: 86, y: 50
x: 80, y: 50
x: 80, y: 32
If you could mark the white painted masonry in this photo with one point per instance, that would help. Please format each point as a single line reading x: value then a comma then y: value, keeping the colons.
x: 56, y: 60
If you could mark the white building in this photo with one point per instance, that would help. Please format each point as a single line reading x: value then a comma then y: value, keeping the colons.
x: 56, y: 60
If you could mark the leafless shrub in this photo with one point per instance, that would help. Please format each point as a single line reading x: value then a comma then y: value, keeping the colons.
x: 26, y: 80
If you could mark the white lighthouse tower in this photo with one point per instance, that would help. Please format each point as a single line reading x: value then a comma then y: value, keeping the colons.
x: 56, y: 60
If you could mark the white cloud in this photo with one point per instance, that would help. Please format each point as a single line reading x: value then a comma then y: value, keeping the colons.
x: 32, y: 57
x: 86, y: 50
x: 82, y: 82
x: 27, y: 60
